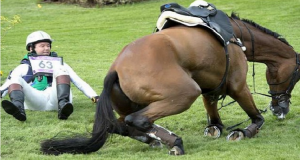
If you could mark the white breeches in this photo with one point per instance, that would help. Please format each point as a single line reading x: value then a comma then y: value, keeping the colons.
x: 41, y: 100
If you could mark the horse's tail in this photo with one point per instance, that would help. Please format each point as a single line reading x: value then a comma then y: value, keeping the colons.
x: 105, y: 123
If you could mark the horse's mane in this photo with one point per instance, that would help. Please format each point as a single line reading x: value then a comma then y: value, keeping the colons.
x: 265, y: 30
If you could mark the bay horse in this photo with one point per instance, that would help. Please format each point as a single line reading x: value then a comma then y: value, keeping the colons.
x: 270, y: 48
x: 160, y: 75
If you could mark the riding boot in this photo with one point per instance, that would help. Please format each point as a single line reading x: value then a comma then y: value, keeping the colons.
x: 65, y: 108
x: 15, y: 107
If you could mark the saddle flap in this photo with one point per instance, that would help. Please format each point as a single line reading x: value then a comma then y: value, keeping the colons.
x: 215, y: 26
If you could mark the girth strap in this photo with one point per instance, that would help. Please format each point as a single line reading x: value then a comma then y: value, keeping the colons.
x: 224, y: 77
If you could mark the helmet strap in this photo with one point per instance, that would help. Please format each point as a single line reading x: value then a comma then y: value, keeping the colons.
x: 32, y: 45
x: 32, y: 52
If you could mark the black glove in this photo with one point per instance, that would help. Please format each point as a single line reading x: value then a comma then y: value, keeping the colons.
x: 95, y: 99
x: 1, y: 92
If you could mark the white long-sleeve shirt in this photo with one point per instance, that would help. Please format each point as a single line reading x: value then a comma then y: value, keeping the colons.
x: 23, y: 70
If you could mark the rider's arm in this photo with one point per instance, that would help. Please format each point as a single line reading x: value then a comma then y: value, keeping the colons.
x: 19, y: 71
x: 80, y: 84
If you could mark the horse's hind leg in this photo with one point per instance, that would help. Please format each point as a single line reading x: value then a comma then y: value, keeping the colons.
x: 124, y: 106
x: 175, y: 100
x: 154, y: 137
x: 126, y: 130
x: 145, y: 124
x: 245, y: 100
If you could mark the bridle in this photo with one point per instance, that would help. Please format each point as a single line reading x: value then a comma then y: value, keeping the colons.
x: 293, y: 76
x: 293, y: 81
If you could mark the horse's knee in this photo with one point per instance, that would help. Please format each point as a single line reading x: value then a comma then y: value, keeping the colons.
x: 140, y: 122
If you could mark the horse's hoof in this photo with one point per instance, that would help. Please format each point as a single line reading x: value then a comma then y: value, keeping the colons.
x: 235, y: 136
x: 212, y: 131
x: 156, y: 144
x: 176, y: 151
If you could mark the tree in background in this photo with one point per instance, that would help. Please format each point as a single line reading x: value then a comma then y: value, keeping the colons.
x: 95, y: 2
x: 7, y: 24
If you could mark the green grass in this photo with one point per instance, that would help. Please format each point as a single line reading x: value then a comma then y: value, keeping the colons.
x: 89, y: 39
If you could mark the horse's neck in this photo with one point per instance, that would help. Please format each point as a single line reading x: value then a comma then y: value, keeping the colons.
x: 265, y: 48
x: 262, y: 47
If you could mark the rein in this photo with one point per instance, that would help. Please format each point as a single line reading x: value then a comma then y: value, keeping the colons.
x: 253, y: 64
x: 252, y: 45
x: 253, y: 76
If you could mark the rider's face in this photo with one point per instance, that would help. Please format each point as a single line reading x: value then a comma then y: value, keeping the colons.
x: 43, y: 48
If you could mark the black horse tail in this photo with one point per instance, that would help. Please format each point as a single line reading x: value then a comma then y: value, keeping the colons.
x: 105, y: 123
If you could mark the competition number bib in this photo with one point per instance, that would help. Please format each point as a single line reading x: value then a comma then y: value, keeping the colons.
x: 45, y: 65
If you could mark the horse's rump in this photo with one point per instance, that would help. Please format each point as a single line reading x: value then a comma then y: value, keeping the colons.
x: 149, y: 65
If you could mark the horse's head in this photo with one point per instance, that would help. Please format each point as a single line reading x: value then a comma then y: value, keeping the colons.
x: 281, y: 92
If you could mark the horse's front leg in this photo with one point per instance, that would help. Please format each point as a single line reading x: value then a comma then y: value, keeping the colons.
x: 215, y: 125
x: 245, y: 100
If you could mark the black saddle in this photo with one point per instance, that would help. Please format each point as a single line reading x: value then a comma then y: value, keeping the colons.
x: 215, y: 19
x: 191, y: 11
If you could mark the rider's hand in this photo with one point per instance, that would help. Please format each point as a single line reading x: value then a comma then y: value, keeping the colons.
x: 95, y: 99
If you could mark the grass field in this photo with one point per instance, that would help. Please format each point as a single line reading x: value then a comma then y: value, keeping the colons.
x: 89, y: 39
